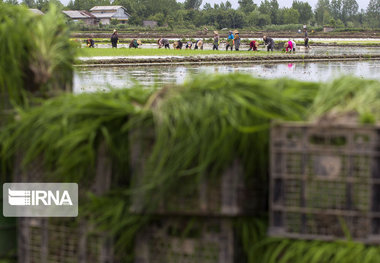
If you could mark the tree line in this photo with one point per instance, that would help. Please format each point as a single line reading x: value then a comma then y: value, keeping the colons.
x: 337, y: 13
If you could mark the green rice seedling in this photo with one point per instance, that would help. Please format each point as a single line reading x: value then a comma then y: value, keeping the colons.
x: 347, y: 95
x: 37, y: 56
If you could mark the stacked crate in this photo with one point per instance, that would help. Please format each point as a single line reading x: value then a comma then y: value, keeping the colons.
x: 194, y: 226
x: 325, y: 182
x: 63, y: 240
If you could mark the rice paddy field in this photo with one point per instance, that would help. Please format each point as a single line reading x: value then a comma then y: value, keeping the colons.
x: 89, y: 79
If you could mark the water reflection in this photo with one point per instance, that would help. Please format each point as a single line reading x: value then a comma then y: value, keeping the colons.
x: 93, y: 79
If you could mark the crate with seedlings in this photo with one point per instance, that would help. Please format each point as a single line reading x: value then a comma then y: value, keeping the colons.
x: 62, y: 240
x: 184, y: 239
x: 230, y: 194
x: 325, y: 181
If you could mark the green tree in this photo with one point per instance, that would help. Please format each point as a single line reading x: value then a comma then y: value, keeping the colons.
x: 349, y: 10
x: 29, y: 3
x: 247, y: 6
x: 193, y: 4
x: 305, y: 11
x: 373, y: 13
x: 270, y: 8
x: 289, y: 16
x: 11, y: 2
x: 336, y: 7
x: 322, y: 12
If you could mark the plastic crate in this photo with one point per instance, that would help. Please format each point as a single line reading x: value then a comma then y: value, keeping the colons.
x: 61, y: 241
x: 325, y: 182
x: 229, y: 194
x: 185, y: 240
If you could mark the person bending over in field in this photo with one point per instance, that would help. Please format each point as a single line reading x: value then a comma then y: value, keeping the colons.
x: 288, y: 46
x: 114, y: 39
x: 134, y: 43
x: 230, y: 40
x: 163, y: 42
x: 177, y: 44
x: 253, y: 45
x: 269, y: 42
x: 199, y: 44
x: 216, y: 41
x: 189, y: 44
x: 294, y: 46
x: 90, y: 43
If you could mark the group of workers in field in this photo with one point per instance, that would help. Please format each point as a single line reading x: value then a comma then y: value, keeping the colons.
x: 233, y: 41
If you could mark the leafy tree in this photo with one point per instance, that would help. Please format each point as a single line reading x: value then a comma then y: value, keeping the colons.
x: 322, y: 12
x: 29, y: 3
x: 11, y: 2
x: 373, y: 13
x: 264, y: 20
x: 207, y: 6
x: 305, y: 11
x: 289, y: 16
x: 193, y: 4
x: 336, y: 7
x: 247, y: 6
x: 350, y: 9
x: 270, y: 8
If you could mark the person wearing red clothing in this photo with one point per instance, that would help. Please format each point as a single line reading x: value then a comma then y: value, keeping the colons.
x: 289, y: 46
x: 253, y: 45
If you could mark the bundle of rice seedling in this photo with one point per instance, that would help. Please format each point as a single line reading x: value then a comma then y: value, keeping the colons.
x: 37, y: 56
x: 346, y: 100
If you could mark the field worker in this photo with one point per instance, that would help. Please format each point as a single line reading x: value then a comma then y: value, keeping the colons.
x: 306, y: 38
x: 134, y: 43
x: 237, y: 40
x: 199, y: 44
x: 230, y: 40
x: 189, y: 44
x: 269, y: 42
x: 114, y: 39
x: 90, y: 42
x: 294, y: 46
x: 163, y: 42
x: 216, y: 41
x: 288, y: 46
x: 177, y: 44
x: 253, y: 45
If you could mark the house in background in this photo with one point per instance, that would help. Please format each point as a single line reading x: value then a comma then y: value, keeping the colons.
x: 36, y: 11
x: 105, y: 14
x: 84, y: 16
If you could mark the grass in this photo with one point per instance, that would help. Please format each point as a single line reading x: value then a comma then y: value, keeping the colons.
x: 126, y: 52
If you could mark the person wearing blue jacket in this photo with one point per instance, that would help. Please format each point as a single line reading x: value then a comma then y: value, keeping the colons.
x: 230, y: 41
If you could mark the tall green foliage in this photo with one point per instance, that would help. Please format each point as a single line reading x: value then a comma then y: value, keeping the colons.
x: 198, y: 130
x: 39, y: 55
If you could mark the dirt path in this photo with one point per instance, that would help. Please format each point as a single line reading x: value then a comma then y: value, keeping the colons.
x: 156, y: 61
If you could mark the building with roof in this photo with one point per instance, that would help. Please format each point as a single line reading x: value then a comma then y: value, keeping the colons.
x: 105, y: 14
x: 36, y: 11
x: 81, y: 15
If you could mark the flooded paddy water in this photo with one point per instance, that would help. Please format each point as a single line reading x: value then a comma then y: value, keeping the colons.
x: 89, y: 79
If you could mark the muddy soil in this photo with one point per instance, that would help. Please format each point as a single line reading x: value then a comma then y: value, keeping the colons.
x: 219, y: 59
x: 258, y: 34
